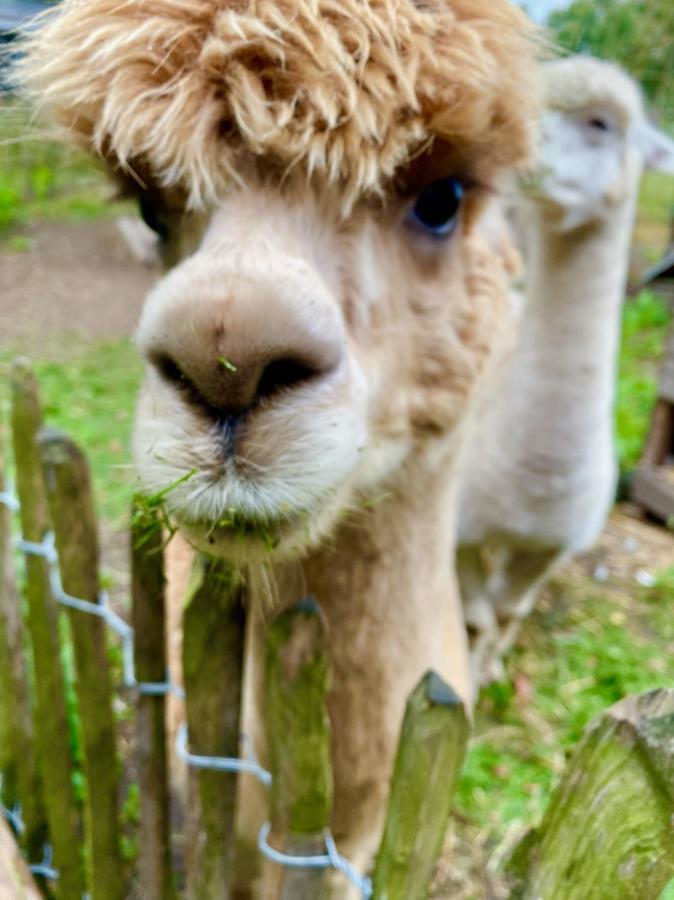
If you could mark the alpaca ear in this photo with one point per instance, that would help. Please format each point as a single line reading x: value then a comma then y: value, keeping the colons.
x: 657, y: 148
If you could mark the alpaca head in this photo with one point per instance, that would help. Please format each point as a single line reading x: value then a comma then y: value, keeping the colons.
x: 319, y: 173
x: 596, y: 142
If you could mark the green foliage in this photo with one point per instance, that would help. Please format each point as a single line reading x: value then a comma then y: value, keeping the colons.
x: 646, y: 322
x: 9, y: 206
x: 90, y: 395
x: 668, y: 893
x: 639, y: 34
x: 586, y: 647
x: 40, y: 178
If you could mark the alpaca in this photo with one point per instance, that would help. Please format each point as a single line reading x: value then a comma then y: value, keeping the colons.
x: 319, y: 174
x: 540, y: 472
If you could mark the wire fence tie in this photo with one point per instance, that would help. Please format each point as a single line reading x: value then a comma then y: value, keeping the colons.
x: 13, y: 815
x: 329, y: 860
x: 10, y: 501
x: 218, y: 763
x: 45, y: 869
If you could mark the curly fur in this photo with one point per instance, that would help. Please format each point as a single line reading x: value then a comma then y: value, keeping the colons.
x: 344, y: 91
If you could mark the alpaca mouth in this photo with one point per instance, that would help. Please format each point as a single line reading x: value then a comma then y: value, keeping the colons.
x: 237, y: 526
x: 240, y: 533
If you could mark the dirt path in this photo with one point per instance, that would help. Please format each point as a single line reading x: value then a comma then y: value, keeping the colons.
x: 75, y: 278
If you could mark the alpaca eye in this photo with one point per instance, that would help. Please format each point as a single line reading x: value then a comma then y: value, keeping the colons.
x: 151, y: 214
x: 437, y: 207
x: 599, y: 124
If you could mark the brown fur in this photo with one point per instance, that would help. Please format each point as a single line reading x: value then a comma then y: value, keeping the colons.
x: 345, y: 91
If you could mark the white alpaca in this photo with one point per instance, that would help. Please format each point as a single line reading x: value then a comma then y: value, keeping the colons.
x: 540, y: 470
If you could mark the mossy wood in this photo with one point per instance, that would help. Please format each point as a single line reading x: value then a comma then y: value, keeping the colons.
x: 428, y: 763
x: 148, y: 583
x: 297, y: 678
x: 15, y: 879
x: 213, y: 650
x: 18, y: 759
x: 51, y: 719
x: 607, y: 831
x: 71, y: 507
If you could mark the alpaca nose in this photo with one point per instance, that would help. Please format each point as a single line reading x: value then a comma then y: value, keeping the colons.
x: 228, y: 356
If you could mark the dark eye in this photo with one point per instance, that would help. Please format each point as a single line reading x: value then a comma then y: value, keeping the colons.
x: 437, y: 207
x: 599, y: 124
x: 151, y: 213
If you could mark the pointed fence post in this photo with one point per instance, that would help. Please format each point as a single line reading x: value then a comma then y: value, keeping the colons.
x: 68, y: 485
x: 608, y: 831
x: 51, y: 719
x: 213, y: 649
x: 297, y: 680
x: 18, y: 759
x: 428, y: 763
x: 147, y: 590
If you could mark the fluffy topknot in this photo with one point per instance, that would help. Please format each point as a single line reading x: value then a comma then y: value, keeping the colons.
x: 345, y: 91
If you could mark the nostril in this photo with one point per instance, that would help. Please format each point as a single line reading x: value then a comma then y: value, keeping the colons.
x: 283, y: 373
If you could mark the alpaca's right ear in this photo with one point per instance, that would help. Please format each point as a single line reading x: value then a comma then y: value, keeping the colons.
x: 657, y: 148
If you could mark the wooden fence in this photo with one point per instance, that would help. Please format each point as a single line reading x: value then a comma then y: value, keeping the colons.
x: 60, y: 740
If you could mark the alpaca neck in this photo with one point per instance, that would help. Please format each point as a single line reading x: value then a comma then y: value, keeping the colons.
x: 385, y: 572
x: 386, y: 586
x: 565, y: 364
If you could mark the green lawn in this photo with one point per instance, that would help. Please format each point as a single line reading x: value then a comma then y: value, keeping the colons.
x: 42, y: 179
x: 91, y: 396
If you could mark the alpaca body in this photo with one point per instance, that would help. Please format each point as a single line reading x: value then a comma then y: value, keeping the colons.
x: 546, y: 472
x: 540, y: 468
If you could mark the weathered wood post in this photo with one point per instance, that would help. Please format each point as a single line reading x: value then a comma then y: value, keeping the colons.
x: 608, y: 829
x: 213, y: 650
x: 430, y: 755
x: 51, y: 719
x: 68, y: 486
x: 297, y: 678
x: 18, y: 759
x: 147, y: 590
x: 15, y: 880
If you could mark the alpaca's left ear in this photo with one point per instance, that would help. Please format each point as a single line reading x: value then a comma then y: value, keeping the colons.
x: 657, y: 148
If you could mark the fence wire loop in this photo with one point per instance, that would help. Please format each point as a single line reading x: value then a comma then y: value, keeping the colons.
x: 330, y: 860
x: 45, y: 868
x: 46, y: 549
x: 9, y: 500
x: 218, y: 763
x: 12, y: 815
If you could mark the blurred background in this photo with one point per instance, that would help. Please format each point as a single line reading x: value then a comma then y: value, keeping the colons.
x: 72, y: 279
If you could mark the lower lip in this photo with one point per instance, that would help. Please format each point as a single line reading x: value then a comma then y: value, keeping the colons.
x: 268, y: 536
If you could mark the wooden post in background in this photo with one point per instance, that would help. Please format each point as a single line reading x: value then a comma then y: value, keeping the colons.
x: 213, y: 650
x: 428, y: 763
x: 18, y: 759
x: 147, y: 590
x: 297, y: 678
x: 51, y: 719
x: 68, y: 486
x: 607, y: 831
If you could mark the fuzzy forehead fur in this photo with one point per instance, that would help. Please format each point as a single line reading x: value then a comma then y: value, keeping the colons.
x: 343, y: 91
x: 579, y: 82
